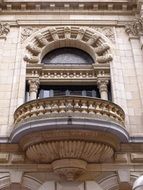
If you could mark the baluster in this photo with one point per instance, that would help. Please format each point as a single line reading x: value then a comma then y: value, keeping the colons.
x: 48, y: 107
x: 84, y: 106
x: 91, y: 108
x: 97, y: 108
x: 34, y: 110
x: 62, y: 106
x: 76, y: 106
x: 41, y: 108
x: 55, y: 106
x: 69, y: 106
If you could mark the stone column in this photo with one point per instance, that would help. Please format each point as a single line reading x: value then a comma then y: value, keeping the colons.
x: 103, y: 89
x: 135, y: 33
x: 33, y: 88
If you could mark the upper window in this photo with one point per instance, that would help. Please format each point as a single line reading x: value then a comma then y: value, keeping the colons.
x: 67, y: 55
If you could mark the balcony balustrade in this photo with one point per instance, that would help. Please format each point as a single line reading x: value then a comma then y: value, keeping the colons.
x: 69, y: 132
x: 69, y: 105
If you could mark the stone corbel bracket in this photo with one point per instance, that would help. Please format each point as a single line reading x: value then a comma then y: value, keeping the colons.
x: 87, y: 39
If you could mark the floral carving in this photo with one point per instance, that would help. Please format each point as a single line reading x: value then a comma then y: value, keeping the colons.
x: 107, y: 31
x: 135, y: 28
x: 26, y: 32
x: 4, y: 29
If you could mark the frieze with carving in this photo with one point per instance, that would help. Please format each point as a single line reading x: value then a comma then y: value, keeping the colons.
x: 107, y: 31
x: 135, y: 28
x: 4, y: 29
x: 26, y: 32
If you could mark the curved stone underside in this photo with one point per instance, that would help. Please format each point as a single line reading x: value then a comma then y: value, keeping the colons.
x: 47, y: 152
x: 69, y: 158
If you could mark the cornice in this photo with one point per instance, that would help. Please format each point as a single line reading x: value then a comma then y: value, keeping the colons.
x: 115, y: 6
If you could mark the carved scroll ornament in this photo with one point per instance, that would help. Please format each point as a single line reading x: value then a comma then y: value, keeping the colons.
x: 4, y: 29
x: 135, y: 28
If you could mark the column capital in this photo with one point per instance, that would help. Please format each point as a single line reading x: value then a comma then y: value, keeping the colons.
x: 103, y: 89
x: 135, y: 29
x: 102, y: 81
x: 34, y: 84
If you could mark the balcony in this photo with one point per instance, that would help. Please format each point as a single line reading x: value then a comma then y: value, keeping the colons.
x: 69, y: 131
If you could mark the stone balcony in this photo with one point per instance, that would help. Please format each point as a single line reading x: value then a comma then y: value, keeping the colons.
x: 69, y: 132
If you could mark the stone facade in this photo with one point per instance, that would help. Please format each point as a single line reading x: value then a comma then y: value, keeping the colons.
x: 73, y: 142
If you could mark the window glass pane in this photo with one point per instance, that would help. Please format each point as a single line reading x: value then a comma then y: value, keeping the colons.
x: 67, y: 56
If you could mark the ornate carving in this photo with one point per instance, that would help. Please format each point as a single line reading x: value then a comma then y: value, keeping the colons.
x: 69, y: 169
x: 26, y: 32
x: 34, y: 84
x: 67, y: 31
x: 34, y: 49
x: 47, y: 152
x: 94, y: 38
x: 107, y: 31
x: 41, y: 40
x: 64, y: 34
x: 135, y: 28
x: 4, y: 29
x: 104, y: 58
x: 80, y: 33
x: 102, y: 85
x: 56, y: 106
x: 53, y: 33
x: 101, y: 49
x: 31, y: 59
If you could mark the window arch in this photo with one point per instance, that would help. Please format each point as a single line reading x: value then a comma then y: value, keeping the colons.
x: 67, y: 55
x: 68, y: 61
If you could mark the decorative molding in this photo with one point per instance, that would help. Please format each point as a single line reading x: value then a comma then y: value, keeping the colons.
x: 123, y: 6
x: 137, y: 157
x: 65, y: 73
x: 107, y: 31
x: 135, y: 28
x: 102, y: 85
x: 47, y: 152
x: 84, y: 106
x: 85, y: 38
x: 26, y: 32
x: 69, y: 169
x: 4, y: 157
x: 4, y: 29
x: 33, y: 84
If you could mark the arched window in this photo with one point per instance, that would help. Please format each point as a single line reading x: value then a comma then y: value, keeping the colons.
x: 67, y: 55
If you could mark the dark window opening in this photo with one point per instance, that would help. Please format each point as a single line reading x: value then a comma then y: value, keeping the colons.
x: 109, y: 91
x: 67, y: 55
x: 26, y: 92
x: 50, y: 91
